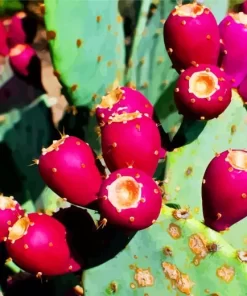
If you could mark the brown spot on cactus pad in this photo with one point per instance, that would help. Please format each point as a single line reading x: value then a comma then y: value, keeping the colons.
x: 181, y: 214
x: 78, y: 43
x: 242, y: 256
x: 74, y: 87
x: 178, y: 279
x: 189, y: 171
x: 174, y: 231
x: 51, y: 35
x: 233, y: 129
x: 144, y: 277
x: 198, y: 245
x: 167, y: 251
x: 226, y: 273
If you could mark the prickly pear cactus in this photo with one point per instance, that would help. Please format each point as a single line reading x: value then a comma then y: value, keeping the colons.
x: 176, y: 256
x: 177, y: 253
x: 88, y: 51
x: 21, y: 137
x: 10, y: 6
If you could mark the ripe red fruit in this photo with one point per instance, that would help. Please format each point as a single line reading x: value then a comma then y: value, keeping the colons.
x: 131, y: 140
x: 4, y: 50
x: 191, y: 36
x: 234, y: 46
x: 224, y: 190
x: 16, y: 33
x: 244, y: 7
x: 122, y: 100
x: 68, y: 168
x: 20, y: 57
x: 130, y: 199
x: 10, y: 212
x: 202, y: 92
x: 37, y: 243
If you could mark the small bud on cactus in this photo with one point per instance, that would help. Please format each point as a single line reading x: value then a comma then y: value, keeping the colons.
x: 242, y: 90
x: 68, y: 168
x: 234, y: 46
x: 37, y: 243
x: 16, y: 33
x: 122, y: 100
x: 183, y: 22
x: 130, y: 199
x: 4, y: 50
x: 131, y: 139
x: 224, y: 190
x: 202, y: 92
x: 20, y: 57
x: 10, y: 212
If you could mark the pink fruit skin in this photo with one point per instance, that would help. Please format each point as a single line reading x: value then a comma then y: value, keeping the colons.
x: 137, y: 144
x: 202, y: 107
x: 21, y: 61
x: 16, y: 34
x: 202, y: 48
x: 223, y: 193
x: 234, y: 37
x: 242, y: 90
x: 71, y: 172
x: 8, y: 217
x: 133, y: 101
x: 244, y: 7
x: 43, y: 249
x: 144, y: 214
x: 4, y: 50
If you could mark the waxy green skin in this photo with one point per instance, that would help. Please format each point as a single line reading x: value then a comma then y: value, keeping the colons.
x: 149, y: 69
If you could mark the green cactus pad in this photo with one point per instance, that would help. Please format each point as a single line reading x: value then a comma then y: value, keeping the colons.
x: 7, y: 6
x: 87, y: 45
x: 200, y: 142
x: 167, y: 258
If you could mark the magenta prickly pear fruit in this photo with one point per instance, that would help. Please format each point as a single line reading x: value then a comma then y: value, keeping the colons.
x: 224, y: 190
x: 202, y: 92
x: 131, y: 139
x: 130, y: 199
x: 183, y: 22
x: 16, y: 33
x: 68, y: 168
x: 242, y: 90
x: 20, y: 57
x: 4, y: 49
x: 10, y: 212
x: 234, y: 46
x: 243, y: 7
x: 37, y: 243
x: 122, y: 100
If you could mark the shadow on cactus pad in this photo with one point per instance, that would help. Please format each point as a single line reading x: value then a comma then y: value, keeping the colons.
x: 88, y: 244
x: 26, y: 284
